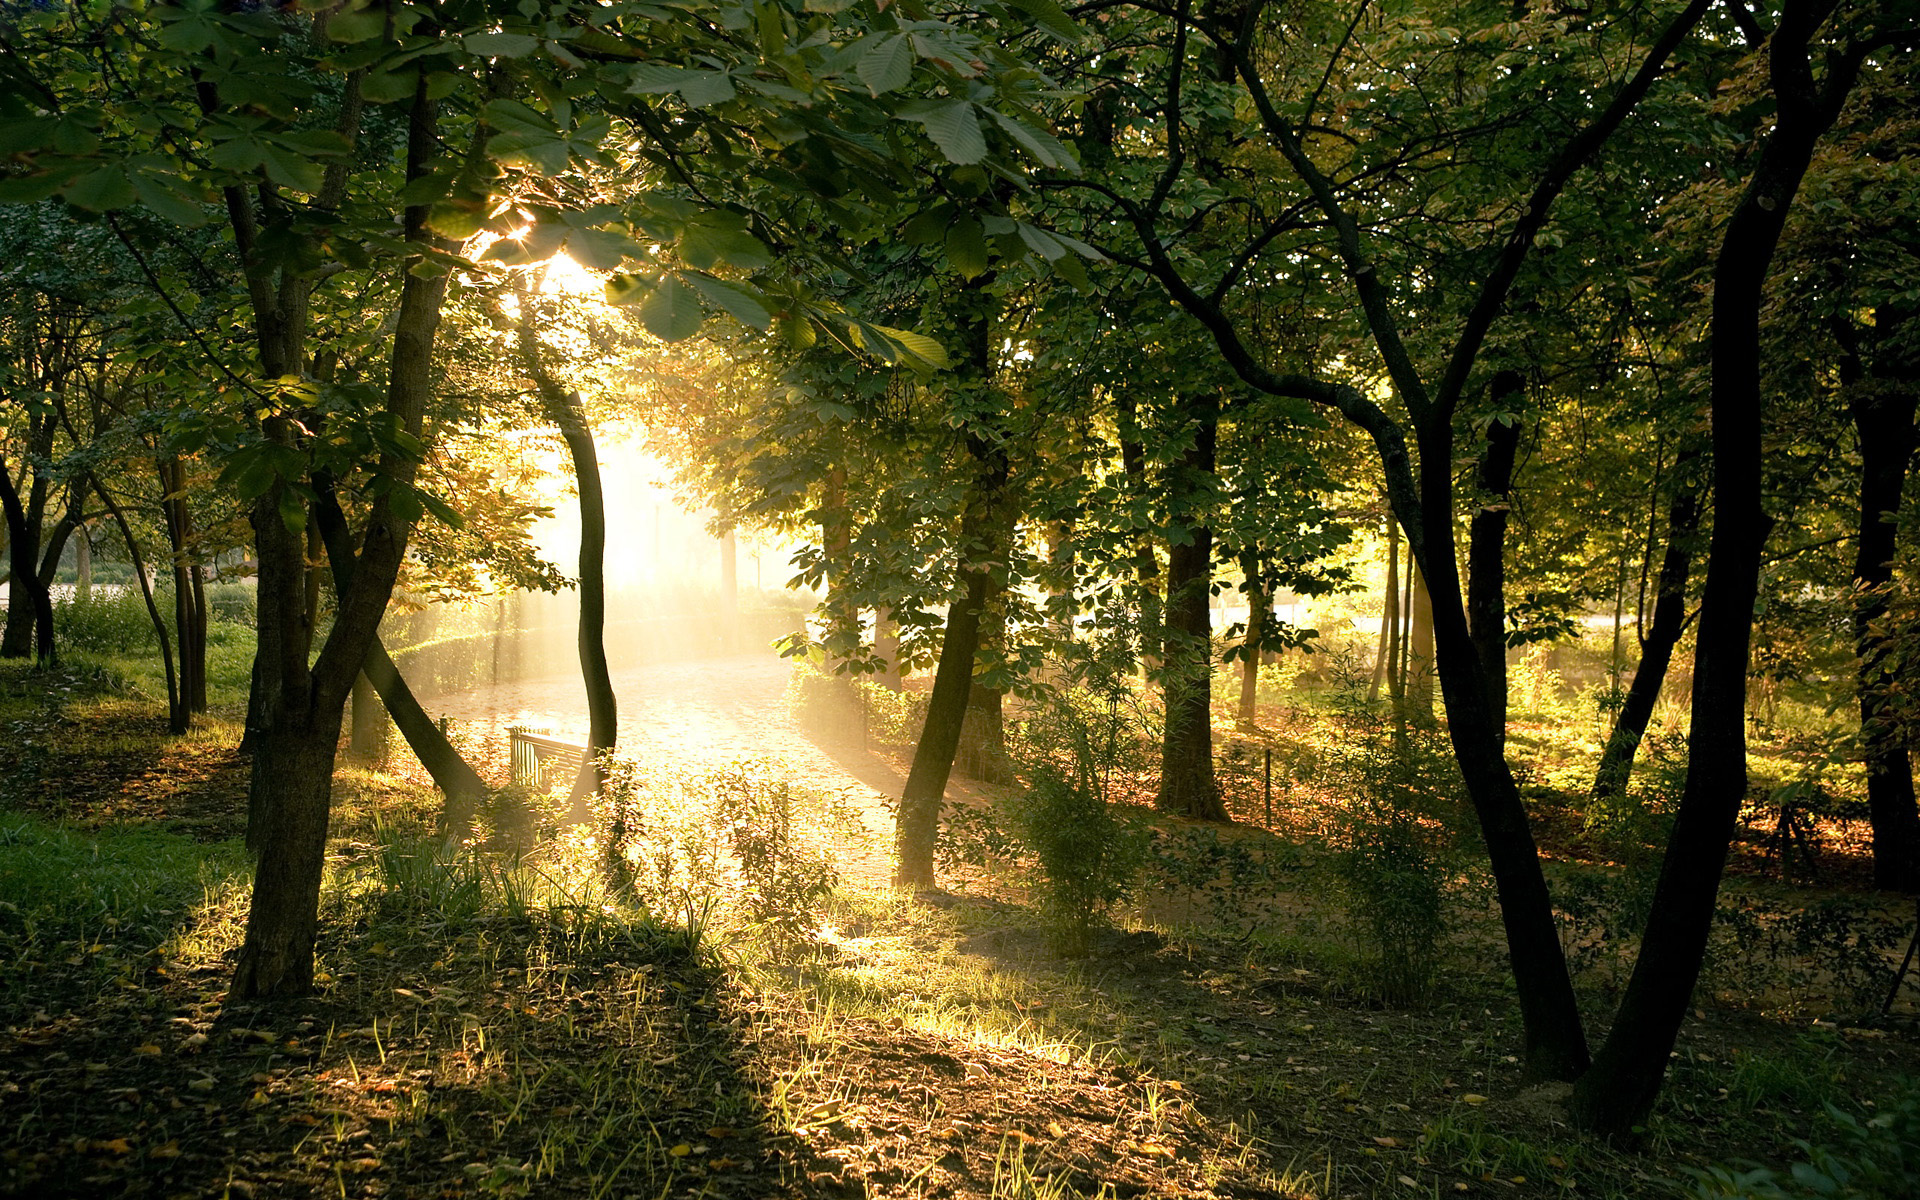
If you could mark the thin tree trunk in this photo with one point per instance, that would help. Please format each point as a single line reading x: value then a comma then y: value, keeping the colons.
x: 917, y: 826
x: 188, y: 599
x: 1420, y: 660
x: 982, y: 752
x: 83, y: 566
x: 178, y: 717
x: 1618, y: 1092
x: 1656, y: 649
x: 567, y: 412
x: 460, y: 785
x: 1188, y: 786
x: 1486, y: 554
x: 1146, y: 565
x: 886, y: 647
x: 1386, y: 662
x: 1259, y: 613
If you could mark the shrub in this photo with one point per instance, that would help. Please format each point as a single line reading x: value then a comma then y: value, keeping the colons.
x: 1874, y: 1159
x: 235, y: 603
x: 106, y: 623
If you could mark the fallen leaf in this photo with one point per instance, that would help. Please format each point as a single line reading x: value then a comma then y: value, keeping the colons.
x: 1386, y: 1141
x: 681, y: 1151
x: 1473, y: 1098
x: 149, y: 1048
x: 170, y: 1150
x: 1409, y: 1180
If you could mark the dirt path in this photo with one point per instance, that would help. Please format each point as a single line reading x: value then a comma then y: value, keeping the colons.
x: 699, y: 716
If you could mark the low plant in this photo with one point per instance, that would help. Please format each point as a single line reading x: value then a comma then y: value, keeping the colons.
x: 1875, y: 1158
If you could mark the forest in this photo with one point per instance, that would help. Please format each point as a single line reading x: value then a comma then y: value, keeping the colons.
x: 1022, y: 600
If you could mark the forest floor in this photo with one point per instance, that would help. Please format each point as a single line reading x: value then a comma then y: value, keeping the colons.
x: 484, y: 1029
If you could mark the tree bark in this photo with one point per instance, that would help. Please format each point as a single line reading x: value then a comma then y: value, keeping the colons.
x: 918, y: 824
x: 189, y: 599
x: 1386, y: 663
x: 1656, y: 649
x: 1259, y: 613
x: 569, y: 415
x: 1618, y: 1092
x: 982, y: 752
x: 1187, y: 783
x: 460, y: 785
x: 1883, y: 405
x: 1487, y: 554
x: 303, y: 706
x: 1420, y: 659
x: 179, y: 717
x: 29, y: 627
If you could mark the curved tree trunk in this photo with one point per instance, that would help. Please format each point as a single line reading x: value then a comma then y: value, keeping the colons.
x: 179, y: 718
x: 303, y: 700
x: 1656, y: 649
x: 458, y: 782
x: 1618, y: 1092
x: 917, y: 827
x: 918, y: 824
x: 569, y: 415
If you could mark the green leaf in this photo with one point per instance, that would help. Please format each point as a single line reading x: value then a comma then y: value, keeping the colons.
x: 500, y: 45
x: 442, y: 511
x: 1049, y: 16
x: 672, y: 312
x: 167, y: 202
x: 357, y: 25
x: 928, y: 225
x: 20, y: 137
x: 30, y: 189
x: 293, y: 510
x: 697, y: 88
x: 952, y: 126
x: 101, y: 190
x: 738, y: 303
x: 602, y: 249
x: 967, y: 247
x: 705, y: 246
x: 887, y: 65
x: 293, y: 170
x: 458, y: 219
x: 385, y: 87
x: 1042, y: 145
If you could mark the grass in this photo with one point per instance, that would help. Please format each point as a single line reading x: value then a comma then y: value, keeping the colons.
x: 506, y: 1023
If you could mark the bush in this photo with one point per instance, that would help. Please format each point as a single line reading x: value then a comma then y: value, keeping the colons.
x: 719, y: 849
x: 235, y: 603
x: 822, y: 704
x: 1086, y: 855
x: 1874, y: 1159
x: 106, y: 623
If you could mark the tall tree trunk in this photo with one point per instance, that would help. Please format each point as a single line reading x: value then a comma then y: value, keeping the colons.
x: 1663, y: 634
x: 83, y: 566
x: 886, y: 647
x: 304, y: 704
x: 1259, y: 613
x: 367, y: 730
x: 29, y: 628
x: 1883, y: 405
x: 567, y: 412
x: 1386, y: 663
x: 1420, y: 660
x: 982, y: 753
x: 189, y: 599
x: 917, y: 826
x: 1487, y: 553
x: 460, y: 785
x: 1187, y: 783
x: 1619, y: 1091
x: 1146, y: 564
